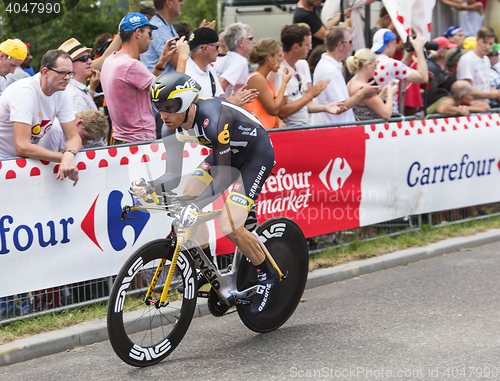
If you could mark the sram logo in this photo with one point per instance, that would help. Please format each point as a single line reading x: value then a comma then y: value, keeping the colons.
x: 340, y: 170
x: 115, y: 223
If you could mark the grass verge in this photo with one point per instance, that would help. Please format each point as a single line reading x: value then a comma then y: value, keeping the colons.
x: 355, y: 251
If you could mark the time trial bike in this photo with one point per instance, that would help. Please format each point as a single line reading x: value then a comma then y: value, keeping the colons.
x: 148, y: 316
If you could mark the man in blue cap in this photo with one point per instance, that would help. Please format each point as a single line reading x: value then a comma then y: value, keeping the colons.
x: 455, y: 34
x: 125, y: 79
x: 388, y: 69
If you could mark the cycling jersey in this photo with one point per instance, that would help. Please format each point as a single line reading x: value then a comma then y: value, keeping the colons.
x: 242, y: 152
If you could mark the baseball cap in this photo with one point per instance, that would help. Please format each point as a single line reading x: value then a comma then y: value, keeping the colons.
x: 381, y: 38
x: 202, y: 36
x: 14, y: 48
x: 452, y: 30
x: 74, y: 48
x: 444, y: 43
x: 495, y: 48
x: 453, y: 55
x: 134, y: 20
x: 470, y: 43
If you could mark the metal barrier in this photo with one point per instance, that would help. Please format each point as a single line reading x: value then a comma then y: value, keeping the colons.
x: 94, y: 291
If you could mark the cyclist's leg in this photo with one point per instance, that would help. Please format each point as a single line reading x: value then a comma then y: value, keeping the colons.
x: 253, y: 174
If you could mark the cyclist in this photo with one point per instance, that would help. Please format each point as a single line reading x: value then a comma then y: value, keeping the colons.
x: 242, y: 154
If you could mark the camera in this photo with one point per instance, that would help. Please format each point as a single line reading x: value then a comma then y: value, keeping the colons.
x: 429, y: 45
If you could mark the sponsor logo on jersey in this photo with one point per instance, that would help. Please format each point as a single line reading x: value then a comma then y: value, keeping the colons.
x: 206, y: 166
x: 205, y: 123
x: 224, y: 135
x: 248, y: 131
x: 240, y: 200
x: 237, y: 187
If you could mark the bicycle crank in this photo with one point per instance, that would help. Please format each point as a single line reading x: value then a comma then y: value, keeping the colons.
x: 215, y: 305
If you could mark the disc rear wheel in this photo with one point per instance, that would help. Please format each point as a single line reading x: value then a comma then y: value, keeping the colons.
x: 287, y: 245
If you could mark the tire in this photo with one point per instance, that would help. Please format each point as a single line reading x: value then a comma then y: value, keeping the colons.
x: 143, y: 335
x: 288, y: 247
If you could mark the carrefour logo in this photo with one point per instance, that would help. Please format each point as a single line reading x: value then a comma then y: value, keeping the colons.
x: 340, y: 170
x: 115, y: 223
x: 22, y: 237
x: 464, y: 169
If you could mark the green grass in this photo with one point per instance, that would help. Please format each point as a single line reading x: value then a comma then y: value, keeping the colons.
x: 356, y: 250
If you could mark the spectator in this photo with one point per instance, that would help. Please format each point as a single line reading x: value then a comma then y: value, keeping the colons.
x: 147, y: 8
x: 100, y: 40
x: 315, y: 56
x: 204, y: 46
x: 436, y: 63
x: 183, y: 28
x: 474, y: 66
x: 92, y: 125
x: 20, y: 71
x: 222, y: 44
x: 81, y: 96
x: 268, y: 54
x: 455, y: 34
x: 388, y: 69
x: 299, y: 92
x: 307, y: 11
x: 331, y: 10
x: 338, y: 46
x: 472, y: 14
x: 126, y: 80
x: 27, y: 111
x: 12, y: 55
x: 383, y: 22
x: 496, y: 65
x: 363, y: 65
x: 163, y: 31
x: 494, y: 74
x: 458, y: 102
x: 232, y: 69
x: 441, y: 86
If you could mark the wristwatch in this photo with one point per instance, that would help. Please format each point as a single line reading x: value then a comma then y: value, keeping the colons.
x: 69, y: 150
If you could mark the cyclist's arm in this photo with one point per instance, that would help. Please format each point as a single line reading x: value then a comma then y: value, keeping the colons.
x: 173, y: 164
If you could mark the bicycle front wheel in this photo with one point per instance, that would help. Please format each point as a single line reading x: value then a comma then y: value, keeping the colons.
x: 142, y: 333
x: 287, y: 245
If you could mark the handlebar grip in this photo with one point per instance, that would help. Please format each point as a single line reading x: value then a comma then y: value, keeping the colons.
x: 155, y: 198
x: 145, y: 198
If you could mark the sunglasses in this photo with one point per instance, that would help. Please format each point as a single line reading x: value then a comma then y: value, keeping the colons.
x: 63, y: 74
x: 150, y: 32
x: 170, y: 106
x: 248, y: 38
x: 348, y: 41
x: 299, y: 80
x: 82, y: 59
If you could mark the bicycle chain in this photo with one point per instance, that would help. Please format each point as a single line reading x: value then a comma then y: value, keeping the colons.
x: 216, y: 306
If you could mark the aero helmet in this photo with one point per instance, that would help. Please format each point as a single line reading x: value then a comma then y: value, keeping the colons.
x: 173, y: 92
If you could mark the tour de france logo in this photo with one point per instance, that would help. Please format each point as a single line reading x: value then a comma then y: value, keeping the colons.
x: 26, y: 14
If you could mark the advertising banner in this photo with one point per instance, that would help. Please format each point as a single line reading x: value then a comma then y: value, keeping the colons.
x: 326, y: 179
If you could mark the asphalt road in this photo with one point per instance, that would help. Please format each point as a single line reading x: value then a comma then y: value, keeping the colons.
x: 435, y: 319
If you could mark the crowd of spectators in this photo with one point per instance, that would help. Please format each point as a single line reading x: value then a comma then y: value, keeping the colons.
x: 322, y: 71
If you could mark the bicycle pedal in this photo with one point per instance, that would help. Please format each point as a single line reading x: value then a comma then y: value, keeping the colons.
x: 203, y: 294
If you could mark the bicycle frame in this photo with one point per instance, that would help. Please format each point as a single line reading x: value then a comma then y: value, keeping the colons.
x: 223, y: 284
